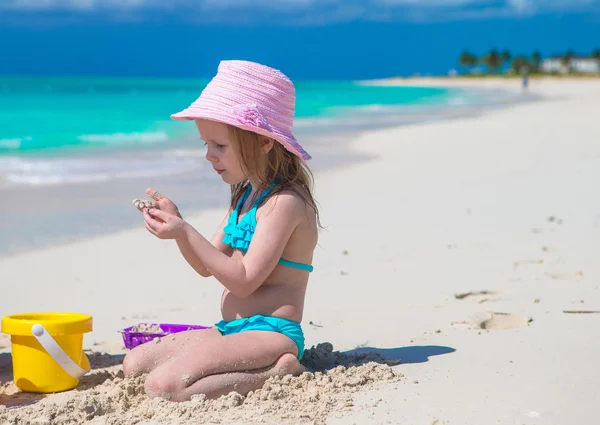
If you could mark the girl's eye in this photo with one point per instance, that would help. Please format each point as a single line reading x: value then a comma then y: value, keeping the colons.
x: 220, y: 146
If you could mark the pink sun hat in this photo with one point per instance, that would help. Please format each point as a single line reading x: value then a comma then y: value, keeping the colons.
x: 252, y: 97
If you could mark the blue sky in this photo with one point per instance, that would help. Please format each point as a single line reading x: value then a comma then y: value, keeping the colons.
x: 313, y: 39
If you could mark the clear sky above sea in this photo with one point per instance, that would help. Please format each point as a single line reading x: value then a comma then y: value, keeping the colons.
x: 307, y: 39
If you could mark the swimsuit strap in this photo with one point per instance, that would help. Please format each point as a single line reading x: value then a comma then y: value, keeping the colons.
x: 255, y: 204
x: 233, y: 218
x: 243, y: 198
x: 295, y: 265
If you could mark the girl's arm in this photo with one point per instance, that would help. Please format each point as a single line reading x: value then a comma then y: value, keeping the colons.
x: 217, y: 241
x: 240, y: 277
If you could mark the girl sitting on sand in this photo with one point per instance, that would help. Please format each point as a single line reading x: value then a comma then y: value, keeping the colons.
x: 261, y: 253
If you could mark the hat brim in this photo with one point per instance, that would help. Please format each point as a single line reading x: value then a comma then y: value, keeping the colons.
x: 287, y: 140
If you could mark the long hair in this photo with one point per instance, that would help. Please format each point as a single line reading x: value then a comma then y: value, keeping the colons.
x: 280, y: 165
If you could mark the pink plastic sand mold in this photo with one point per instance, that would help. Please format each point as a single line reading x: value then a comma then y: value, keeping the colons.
x: 133, y: 338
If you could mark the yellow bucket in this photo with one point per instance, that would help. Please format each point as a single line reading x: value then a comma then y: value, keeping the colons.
x: 47, y: 350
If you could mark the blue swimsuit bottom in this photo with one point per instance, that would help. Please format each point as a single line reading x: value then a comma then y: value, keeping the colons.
x: 258, y: 322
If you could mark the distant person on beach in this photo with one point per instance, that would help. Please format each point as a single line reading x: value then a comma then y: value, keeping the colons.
x: 524, y: 79
x: 261, y: 252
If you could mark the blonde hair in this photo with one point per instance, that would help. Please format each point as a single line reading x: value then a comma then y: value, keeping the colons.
x: 280, y: 165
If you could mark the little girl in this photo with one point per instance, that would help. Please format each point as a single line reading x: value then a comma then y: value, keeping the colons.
x: 261, y: 253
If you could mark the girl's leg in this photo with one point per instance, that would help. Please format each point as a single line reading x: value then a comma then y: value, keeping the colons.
x: 246, y: 351
x: 215, y: 386
x: 147, y: 357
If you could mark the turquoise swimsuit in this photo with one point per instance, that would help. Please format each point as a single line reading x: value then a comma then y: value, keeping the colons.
x: 238, y: 235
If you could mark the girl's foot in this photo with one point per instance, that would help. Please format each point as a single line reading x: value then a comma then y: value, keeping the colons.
x: 288, y: 364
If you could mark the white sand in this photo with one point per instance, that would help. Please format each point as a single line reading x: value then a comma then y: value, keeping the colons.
x: 507, y: 202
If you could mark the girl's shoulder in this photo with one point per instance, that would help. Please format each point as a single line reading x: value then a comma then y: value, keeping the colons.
x: 288, y: 202
x: 286, y: 197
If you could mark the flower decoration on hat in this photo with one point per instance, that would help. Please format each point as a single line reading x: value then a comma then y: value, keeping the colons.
x: 248, y: 114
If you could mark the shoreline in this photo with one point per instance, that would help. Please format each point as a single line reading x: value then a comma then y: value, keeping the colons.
x: 95, y: 208
x: 550, y: 86
x: 446, y: 80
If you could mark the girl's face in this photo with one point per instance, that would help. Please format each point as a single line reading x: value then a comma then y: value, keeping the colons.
x: 219, y: 151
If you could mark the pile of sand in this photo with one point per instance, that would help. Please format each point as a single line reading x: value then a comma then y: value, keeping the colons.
x: 149, y: 328
x: 106, y: 397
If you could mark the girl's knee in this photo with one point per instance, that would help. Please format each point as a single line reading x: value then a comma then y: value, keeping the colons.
x: 164, y: 386
x: 136, y: 362
x: 130, y: 364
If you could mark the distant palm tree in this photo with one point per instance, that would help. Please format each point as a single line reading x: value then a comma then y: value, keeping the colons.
x: 505, y: 56
x: 492, y: 60
x: 521, y: 64
x: 536, y: 59
x: 467, y: 59
x: 596, y: 54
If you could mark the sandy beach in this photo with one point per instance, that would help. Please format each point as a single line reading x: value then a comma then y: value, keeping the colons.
x: 466, y: 249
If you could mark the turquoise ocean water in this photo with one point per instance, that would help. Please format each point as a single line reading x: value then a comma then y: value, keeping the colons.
x: 57, y: 130
x: 74, y: 152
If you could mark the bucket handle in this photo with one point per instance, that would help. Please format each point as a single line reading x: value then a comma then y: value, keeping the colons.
x: 56, y: 352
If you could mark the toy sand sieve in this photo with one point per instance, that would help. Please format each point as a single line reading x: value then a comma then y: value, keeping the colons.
x: 47, y: 350
x: 146, y: 332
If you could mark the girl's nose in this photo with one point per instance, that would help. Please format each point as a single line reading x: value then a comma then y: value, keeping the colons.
x: 210, y: 155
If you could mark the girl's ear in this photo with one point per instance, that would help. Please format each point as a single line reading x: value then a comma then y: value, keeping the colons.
x: 267, y: 144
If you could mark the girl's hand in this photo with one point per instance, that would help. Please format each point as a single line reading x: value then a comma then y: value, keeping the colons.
x: 158, y: 201
x: 164, y: 225
x: 163, y: 203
